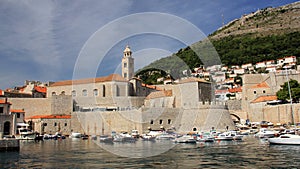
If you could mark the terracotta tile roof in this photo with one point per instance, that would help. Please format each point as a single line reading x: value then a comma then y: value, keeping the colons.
x: 17, y: 111
x: 159, y: 94
x: 235, y: 90
x: 3, y: 102
x: 264, y: 99
x: 50, y: 117
x: 40, y: 89
x: 193, y: 79
x: 221, y: 91
x: 151, y: 86
x: 260, y: 85
x: 1, y: 92
x: 112, y: 77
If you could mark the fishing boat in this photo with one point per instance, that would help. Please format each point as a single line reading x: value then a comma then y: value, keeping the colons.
x: 266, y: 133
x: 286, y: 139
x: 106, y: 139
x: 76, y: 135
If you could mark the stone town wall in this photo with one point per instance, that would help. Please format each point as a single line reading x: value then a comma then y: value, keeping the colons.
x: 183, y: 120
x: 234, y: 104
x: 61, y: 105
x: 32, y: 106
x: 274, y: 113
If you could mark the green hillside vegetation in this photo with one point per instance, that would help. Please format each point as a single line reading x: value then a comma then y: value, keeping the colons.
x: 267, y: 34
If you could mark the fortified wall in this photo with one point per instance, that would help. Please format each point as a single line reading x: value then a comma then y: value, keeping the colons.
x: 204, y: 118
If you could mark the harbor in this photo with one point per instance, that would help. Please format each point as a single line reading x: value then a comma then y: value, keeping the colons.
x: 78, y: 153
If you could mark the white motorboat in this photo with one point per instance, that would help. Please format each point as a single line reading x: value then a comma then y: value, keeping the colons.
x: 165, y: 136
x: 106, y: 139
x: 185, y: 139
x: 24, y: 133
x: 266, y: 133
x: 206, y: 137
x: 286, y: 139
x: 146, y: 137
x: 76, y: 135
x: 226, y: 136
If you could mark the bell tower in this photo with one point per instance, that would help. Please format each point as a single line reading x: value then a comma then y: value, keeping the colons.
x: 127, y: 64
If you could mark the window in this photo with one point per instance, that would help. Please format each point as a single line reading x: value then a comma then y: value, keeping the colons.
x: 103, y: 89
x: 84, y: 92
x: 45, y: 124
x: 117, y: 90
x: 53, y: 93
x: 254, y: 92
x: 264, y: 91
x: 73, y: 93
x: 151, y: 122
x: 194, y: 129
x: 125, y: 75
x: 18, y: 115
x: 66, y: 124
x: 160, y: 121
x: 95, y: 92
x: 55, y: 124
x: 125, y: 65
x: 63, y: 93
x: 169, y: 121
x: 1, y: 109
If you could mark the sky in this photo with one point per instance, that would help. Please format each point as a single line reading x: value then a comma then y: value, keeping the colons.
x: 53, y: 40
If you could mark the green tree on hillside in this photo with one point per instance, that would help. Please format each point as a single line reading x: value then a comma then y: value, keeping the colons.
x: 283, y: 93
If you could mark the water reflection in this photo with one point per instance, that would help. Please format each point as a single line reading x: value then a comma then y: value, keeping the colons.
x: 70, y: 153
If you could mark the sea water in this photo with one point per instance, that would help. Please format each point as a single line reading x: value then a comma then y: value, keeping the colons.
x: 78, y: 153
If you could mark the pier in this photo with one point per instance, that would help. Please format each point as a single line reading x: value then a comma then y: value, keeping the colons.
x: 9, y: 145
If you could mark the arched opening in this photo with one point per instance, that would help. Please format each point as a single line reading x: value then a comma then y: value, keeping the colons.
x: 6, y: 130
x: 194, y: 129
x: 235, y: 118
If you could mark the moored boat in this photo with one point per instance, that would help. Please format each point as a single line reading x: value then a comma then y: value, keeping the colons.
x: 24, y: 133
x: 185, y: 139
x: 286, y: 139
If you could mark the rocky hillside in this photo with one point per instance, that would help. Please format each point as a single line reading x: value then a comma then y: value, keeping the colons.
x: 266, y: 34
x: 264, y: 22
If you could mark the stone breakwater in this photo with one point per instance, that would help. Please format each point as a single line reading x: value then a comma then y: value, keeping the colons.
x: 9, y: 145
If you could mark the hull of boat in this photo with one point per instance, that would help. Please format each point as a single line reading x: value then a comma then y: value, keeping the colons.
x: 285, y: 141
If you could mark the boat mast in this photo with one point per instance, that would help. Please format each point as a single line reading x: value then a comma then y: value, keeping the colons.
x: 291, y: 100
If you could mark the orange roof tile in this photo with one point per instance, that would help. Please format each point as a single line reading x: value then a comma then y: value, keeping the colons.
x: 1, y: 92
x: 151, y: 86
x: 4, y: 102
x: 40, y: 89
x: 112, y: 77
x: 264, y: 99
x: 260, y: 85
x: 17, y: 111
x: 159, y: 94
x: 50, y: 117
x: 235, y: 90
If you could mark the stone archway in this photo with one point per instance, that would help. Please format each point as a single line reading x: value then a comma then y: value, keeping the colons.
x: 238, y: 119
x: 6, y: 129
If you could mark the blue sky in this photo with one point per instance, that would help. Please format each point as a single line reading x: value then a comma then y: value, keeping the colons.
x: 43, y: 39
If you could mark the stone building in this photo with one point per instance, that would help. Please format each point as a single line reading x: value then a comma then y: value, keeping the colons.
x: 127, y: 64
x: 122, y: 103
x: 258, y: 89
x: 7, y: 124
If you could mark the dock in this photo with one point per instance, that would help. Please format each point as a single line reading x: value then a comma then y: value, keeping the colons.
x: 9, y: 145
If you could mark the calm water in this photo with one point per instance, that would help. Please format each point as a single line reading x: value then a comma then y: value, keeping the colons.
x: 70, y: 153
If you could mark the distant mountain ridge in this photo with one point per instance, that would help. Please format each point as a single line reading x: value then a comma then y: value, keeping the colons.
x: 266, y: 34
